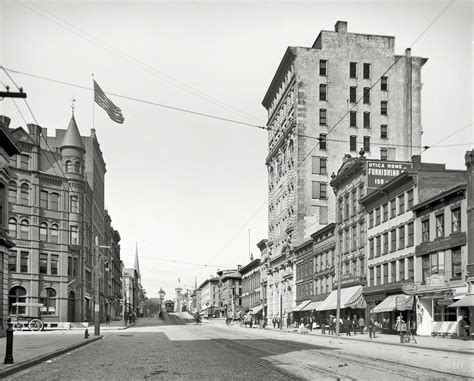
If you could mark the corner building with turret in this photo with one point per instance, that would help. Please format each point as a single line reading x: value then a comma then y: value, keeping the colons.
x: 346, y: 92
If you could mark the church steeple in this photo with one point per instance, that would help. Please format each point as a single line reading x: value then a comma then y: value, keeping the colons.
x: 136, y: 266
x: 72, y: 137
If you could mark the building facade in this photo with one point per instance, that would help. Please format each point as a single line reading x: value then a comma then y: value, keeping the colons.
x: 209, y: 297
x: 230, y: 293
x: 305, y: 145
x: 251, y: 288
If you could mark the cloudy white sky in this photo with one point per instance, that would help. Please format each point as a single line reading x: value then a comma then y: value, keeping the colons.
x: 187, y: 188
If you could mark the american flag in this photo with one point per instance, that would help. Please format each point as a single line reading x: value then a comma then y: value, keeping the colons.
x: 101, y: 99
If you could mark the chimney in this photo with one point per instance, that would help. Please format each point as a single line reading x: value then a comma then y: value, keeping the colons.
x: 239, y: 267
x: 408, y: 52
x: 341, y: 27
x: 5, y: 120
x: 35, y: 132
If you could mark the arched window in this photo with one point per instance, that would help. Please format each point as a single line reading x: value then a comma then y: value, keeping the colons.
x: 68, y: 166
x: 77, y: 167
x: 12, y: 192
x: 25, y: 229
x: 48, y: 299
x: 25, y: 193
x: 16, y: 295
x: 54, y: 233
x: 43, y: 232
x: 12, y: 227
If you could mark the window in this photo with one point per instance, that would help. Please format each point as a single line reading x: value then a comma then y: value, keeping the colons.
x: 347, y: 244
x: 353, y: 69
x: 25, y: 229
x: 410, y: 198
x: 346, y: 206
x: 48, y: 299
x: 323, y: 68
x: 377, y: 216
x: 24, y: 257
x: 366, y: 95
x: 339, y: 210
x: 385, y: 243
x: 378, y: 278
x: 367, y: 143
x: 323, y: 92
x: 378, y: 246
x: 54, y: 231
x: 12, y: 192
x: 353, y: 143
x: 401, y: 269
x: 366, y: 119
x: 12, y: 227
x: 425, y: 230
x: 384, y: 108
x: 401, y: 204
x: 323, y: 191
x: 25, y: 162
x: 393, y: 271
x: 371, y: 219
x: 54, y: 201
x: 354, y: 202
x: 24, y: 193
x: 77, y: 167
x: 54, y: 264
x: 322, y: 117
x: 371, y: 248
x: 74, y: 240
x: 16, y: 295
x: 43, y: 263
x: 74, y: 204
x: 371, y: 276
x: 393, y: 240
x: 384, y: 83
x: 354, y: 238
x: 68, y: 166
x: 411, y: 234
x: 44, y: 199
x: 319, y: 190
x: 385, y: 273
x: 361, y: 234
x: 383, y: 131
x: 456, y: 263
x: 322, y: 141
x: 353, y: 94
x: 440, y: 225
x: 12, y: 261
x: 323, y: 166
x: 411, y: 273
x: 456, y: 220
x: 353, y: 119
x: 383, y: 154
x: 401, y: 237
x: 366, y: 71
x: 43, y: 232
x: 385, y: 212
x: 393, y: 208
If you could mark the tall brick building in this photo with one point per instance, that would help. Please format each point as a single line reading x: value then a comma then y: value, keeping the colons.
x: 312, y: 89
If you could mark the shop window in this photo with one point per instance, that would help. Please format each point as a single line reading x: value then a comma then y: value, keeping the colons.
x: 443, y: 313
x: 16, y: 295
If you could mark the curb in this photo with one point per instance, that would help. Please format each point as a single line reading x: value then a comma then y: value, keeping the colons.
x: 36, y: 360
x: 461, y: 351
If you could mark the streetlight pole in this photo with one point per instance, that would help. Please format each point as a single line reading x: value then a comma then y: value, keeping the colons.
x: 338, y: 305
x: 97, y: 292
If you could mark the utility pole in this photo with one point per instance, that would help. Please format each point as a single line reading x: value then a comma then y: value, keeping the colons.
x: 338, y: 305
x: 11, y: 94
x: 99, y: 257
x: 281, y: 309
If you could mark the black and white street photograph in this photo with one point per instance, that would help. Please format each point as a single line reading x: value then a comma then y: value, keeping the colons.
x: 236, y: 190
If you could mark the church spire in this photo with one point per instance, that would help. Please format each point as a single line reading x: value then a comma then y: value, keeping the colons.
x: 136, y: 265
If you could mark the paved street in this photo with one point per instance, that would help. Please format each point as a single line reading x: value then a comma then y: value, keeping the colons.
x: 156, y: 350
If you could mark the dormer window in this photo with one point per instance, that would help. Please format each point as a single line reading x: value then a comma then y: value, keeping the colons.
x: 68, y: 166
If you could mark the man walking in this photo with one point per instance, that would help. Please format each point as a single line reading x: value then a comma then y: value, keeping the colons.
x: 355, y: 324
x: 347, y: 325
x: 361, y: 324
x: 372, y: 327
x: 331, y: 325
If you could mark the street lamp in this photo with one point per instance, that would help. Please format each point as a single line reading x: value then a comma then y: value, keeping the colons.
x: 100, y: 257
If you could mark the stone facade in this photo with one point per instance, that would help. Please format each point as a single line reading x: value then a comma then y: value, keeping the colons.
x: 304, y: 104
x: 251, y: 285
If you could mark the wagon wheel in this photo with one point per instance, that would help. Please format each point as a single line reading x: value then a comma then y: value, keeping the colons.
x: 35, y: 325
x: 17, y: 326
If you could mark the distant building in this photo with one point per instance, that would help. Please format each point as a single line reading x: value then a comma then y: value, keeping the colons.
x: 252, y: 288
x: 209, y: 297
x: 230, y: 289
x: 310, y: 93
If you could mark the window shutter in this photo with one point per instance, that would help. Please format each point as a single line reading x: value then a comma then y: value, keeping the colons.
x: 315, y: 165
x: 315, y: 190
x: 323, y: 215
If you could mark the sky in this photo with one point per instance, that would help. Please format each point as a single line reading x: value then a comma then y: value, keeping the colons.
x: 192, y: 191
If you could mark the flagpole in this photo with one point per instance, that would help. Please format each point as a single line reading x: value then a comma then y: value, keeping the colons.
x: 93, y: 101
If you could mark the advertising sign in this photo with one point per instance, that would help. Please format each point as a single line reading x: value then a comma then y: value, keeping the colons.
x: 409, y: 288
x: 380, y: 172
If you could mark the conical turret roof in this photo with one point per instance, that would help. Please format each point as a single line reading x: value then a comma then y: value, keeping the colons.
x: 72, y: 137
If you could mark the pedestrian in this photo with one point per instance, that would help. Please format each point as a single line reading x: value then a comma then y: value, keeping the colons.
x: 331, y: 324
x: 355, y: 324
x: 401, y: 327
x: 347, y: 325
x: 463, y: 328
x: 310, y: 324
x: 288, y: 322
x: 323, y: 325
x: 107, y: 319
x: 361, y: 324
x: 372, y: 327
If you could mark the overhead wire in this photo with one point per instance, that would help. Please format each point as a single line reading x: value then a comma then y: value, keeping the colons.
x: 149, y: 69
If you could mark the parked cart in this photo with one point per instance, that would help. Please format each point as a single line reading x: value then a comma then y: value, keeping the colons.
x: 33, y: 323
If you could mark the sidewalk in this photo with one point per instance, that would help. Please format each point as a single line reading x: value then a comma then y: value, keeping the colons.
x: 427, y: 342
x: 31, y: 348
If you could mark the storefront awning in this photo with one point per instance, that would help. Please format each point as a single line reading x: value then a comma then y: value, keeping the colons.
x: 301, y: 305
x: 256, y: 310
x: 399, y: 302
x: 311, y: 306
x: 351, y: 297
x: 467, y: 301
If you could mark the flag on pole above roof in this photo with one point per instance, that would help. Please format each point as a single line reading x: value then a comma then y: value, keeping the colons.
x: 112, y: 110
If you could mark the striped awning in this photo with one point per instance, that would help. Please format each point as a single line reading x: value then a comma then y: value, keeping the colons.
x: 300, y: 306
x: 399, y: 302
x: 351, y: 297
x: 311, y: 306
